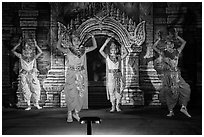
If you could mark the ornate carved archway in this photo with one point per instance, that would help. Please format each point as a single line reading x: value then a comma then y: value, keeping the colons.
x: 112, y: 22
x: 109, y: 26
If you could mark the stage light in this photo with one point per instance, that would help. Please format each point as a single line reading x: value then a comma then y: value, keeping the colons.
x: 97, y: 122
x: 82, y: 122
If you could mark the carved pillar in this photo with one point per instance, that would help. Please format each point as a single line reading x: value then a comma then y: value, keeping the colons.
x: 146, y: 13
x: 149, y: 80
x: 133, y: 95
x: 55, y: 79
x: 28, y: 20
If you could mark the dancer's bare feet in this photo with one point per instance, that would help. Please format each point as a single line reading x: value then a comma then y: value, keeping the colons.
x: 112, y: 109
x: 118, y: 108
x: 184, y: 111
x: 69, y: 117
x: 171, y: 113
x: 28, y: 108
x: 37, y: 106
x: 76, y: 116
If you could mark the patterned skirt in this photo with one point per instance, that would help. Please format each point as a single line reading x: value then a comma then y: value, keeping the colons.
x: 174, y: 89
x: 114, y: 84
x: 75, y: 88
x: 29, y: 84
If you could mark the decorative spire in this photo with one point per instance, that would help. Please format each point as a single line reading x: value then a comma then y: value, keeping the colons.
x: 83, y: 15
x: 134, y: 25
x: 71, y: 24
x: 94, y: 8
x: 108, y: 8
x: 90, y: 10
x: 68, y: 26
x: 118, y: 14
x: 123, y: 18
x: 112, y: 10
x: 130, y: 26
x: 126, y: 22
x: 86, y: 12
x: 77, y: 21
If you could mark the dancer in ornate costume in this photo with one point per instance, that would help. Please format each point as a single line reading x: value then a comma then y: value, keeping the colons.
x: 174, y: 88
x: 29, y: 83
x: 76, y: 77
x: 114, y: 79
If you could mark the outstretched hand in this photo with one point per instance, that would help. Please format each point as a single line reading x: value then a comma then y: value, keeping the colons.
x: 159, y: 35
x: 176, y: 33
x: 108, y: 39
x: 35, y: 42
x: 20, y: 40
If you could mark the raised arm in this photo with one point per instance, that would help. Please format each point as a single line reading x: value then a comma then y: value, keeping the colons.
x: 155, y: 46
x: 63, y: 50
x: 38, y: 48
x: 182, y: 45
x: 88, y: 49
x: 14, y: 49
x: 103, y: 47
x: 124, y: 53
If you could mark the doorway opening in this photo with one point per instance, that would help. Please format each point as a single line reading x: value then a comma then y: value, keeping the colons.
x: 96, y: 67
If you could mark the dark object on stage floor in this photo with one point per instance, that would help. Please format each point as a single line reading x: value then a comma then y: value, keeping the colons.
x: 89, y: 121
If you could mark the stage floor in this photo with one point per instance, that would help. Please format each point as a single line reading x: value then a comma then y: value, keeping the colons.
x: 131, y: 121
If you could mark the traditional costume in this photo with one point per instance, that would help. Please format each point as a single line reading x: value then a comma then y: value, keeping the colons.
x: 76, y: 79
x: 174, y: 88
x: 29, y: 83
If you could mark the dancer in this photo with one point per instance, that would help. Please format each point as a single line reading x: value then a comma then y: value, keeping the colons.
x: 174, y: 88
x: 113, y: 73
x: 29, y: 83
x: 76, y: 77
